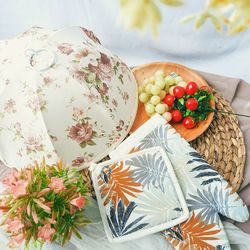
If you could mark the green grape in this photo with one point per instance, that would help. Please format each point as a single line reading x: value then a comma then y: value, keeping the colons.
x: 170, y: 80
x: 160, y: 83
x: 167, y: 116
x: 171, y: 90
x: 143, y: 97
x: 155, y: 99
x: 148, y: 88
x: 159, y: 74
x: 141, y: 89
x: 166, y: 107
x: 145, y: 82
x: 150, y: 108
x: 182, y: 84
x: 167, y: 88
x: 162, y: 94
x: 155, y: 90
x: 160, y: 108
x: 178, y: 79
x: 151, y: 80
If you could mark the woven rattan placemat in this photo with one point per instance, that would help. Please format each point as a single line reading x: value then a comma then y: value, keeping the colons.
x: 222, y: 145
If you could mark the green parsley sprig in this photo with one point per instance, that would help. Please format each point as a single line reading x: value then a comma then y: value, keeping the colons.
x: 203, y: 97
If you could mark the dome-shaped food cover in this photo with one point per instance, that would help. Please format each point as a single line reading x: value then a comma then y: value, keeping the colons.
x: 62, y: 95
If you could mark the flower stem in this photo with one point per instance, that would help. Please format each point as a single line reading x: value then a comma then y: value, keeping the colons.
x: 229, y: 113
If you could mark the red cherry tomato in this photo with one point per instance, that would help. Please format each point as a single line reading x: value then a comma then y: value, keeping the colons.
x: 179, y: 92
x: 191, y: 104
x: 169, y: 100
x: 191, y: 88
x: 176, y: 115
x: 189, y: 122
x: 206, y: 88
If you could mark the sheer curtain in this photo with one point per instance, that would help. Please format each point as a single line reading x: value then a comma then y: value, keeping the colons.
x: 204, y: 49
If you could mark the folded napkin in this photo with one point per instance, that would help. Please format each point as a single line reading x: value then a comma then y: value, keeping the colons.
x: 138, y: 194
x: 236, y: 91
x: 206, y: 192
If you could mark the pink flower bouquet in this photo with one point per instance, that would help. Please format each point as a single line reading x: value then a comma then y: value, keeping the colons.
x: 43, y: 203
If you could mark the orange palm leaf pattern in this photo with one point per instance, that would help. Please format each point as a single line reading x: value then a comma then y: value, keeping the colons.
x: 134, y: 150
x: 118, y: 184
x: 195, y: 234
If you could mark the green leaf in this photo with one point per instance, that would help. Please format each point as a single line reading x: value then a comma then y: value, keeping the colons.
x: 94, y: 133
x: 181, y: 101
x: 83, y: 144
x: 201, y: 98
x: 91, y: 143
x: 77, y: 233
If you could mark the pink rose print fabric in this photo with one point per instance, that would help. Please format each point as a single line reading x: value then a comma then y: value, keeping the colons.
x: 77, y: 108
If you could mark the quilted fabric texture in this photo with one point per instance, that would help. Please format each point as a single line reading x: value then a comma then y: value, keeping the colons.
x: 207, y: 193
x: 138, y: 195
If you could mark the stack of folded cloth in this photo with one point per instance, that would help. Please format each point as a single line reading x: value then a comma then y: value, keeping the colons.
x: 138, y: 192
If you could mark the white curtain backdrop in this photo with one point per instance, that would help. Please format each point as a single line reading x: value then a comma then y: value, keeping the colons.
x: 203, y: 49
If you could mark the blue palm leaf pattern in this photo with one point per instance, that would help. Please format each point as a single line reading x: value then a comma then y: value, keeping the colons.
x: 205, y: 171
x: 157, y: 137
x: 150, y: 169
x: 209, y: 203
x: 119, y: 217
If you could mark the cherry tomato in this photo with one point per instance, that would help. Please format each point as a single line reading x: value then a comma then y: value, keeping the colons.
x: 206, y: 88
x: 191, y: 88
x: 191, y: 104
x: 179, y: 92
x: 176, y: 115
x: 188, y: 122
x: 169, y: 100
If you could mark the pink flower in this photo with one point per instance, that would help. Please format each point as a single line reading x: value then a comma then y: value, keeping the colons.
x: 33, y: 144
x: 14, y: 225
x: 46, y: 232
x: 78, y: 74
x: 57, y: 184
x: 10, y: 106
x: 83, y: 53
x: 16, y: 240
x: 78, y: 161
x: 103, y: 89
x: 19, y: 188
x: 78, y: 202
x: 11, y: 178
x: 47, y: 80
x: 80, y: 133
x: 65, y: 48
x: 91, y: 35
x: 103, y: 69
x: 78, y: 113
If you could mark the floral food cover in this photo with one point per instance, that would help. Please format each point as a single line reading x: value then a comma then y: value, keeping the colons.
x: 134, y: 204
x: 62, y: 95
x: 206, y: 192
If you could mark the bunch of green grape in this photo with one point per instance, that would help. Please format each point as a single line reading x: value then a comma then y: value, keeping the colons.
x: 154, y: 90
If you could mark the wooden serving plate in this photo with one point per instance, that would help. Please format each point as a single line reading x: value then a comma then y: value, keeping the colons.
x: 147, y: 70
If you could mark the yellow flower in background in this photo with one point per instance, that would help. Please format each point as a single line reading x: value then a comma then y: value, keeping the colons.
x: 230, y: 15
x: 140, y: 14
x: 234, y: 15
